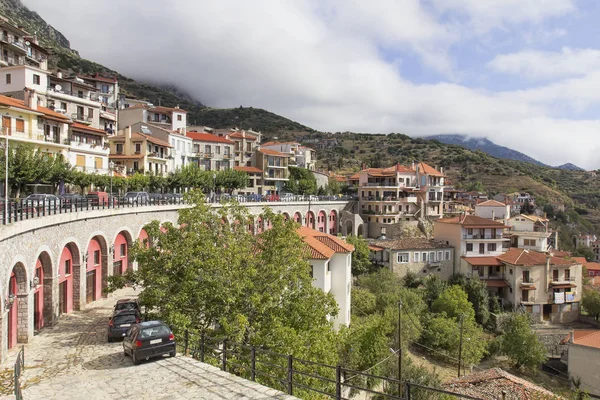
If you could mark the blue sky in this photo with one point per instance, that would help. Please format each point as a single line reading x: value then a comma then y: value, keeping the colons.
x: 523, y: 73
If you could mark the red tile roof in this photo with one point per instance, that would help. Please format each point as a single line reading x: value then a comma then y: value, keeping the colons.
x: 497, y: 283
x: 125, y: 157
x: 142, y: 136
x: 161, y: 109
x: 273, y: 153
x: 48, y: 113
x: 429, y: 170
x: 472, y: 221
x: 483, y: 261
x: 207, y: 137
x: 323, y: 245
x: 524, y: 257
x: 490, y: 384
x: 250, y: 170
x: 9, y: 101
x: 491, y: 203
x: 355, y: 177
x: 591, y: 266
x: 88, y: 129
x: 238, y: 135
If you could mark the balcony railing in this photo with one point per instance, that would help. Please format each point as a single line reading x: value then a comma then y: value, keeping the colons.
x: 526, y: 300
x: 478, y: 236
x: 527, y: 281
x: 92, y: 96
x: 81, y: 118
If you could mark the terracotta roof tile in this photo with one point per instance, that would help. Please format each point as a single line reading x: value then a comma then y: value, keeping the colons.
x: 142, y: 136
x: 239, y: 135
x: 161, y: 109
x: 589, y: 338
x: 589, y: 265
x: 273, y: 153
x: 491, y: 203
x: 251, y: 170
x: 429, y: 170
x: 483, y: 261
x: 207, y: 137
x: 323, y: 245
x: 81, y: 127
x: 474, y: 221
x: 411, y: 243
x: 525, y: 257
x: 9, y: 101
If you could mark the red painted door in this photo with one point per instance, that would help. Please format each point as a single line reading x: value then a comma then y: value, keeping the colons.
x: 12, y: 313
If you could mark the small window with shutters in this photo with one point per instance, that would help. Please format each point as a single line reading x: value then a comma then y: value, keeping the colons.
x: 98, y: 162
x: 80, y: 162
x: 20, y: 125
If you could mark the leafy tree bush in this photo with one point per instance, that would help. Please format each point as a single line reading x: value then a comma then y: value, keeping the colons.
x: 520, y: 343
x: 454, y: 302
x: 590, y: 302
x: 361, y: 257
x: 433, y: 287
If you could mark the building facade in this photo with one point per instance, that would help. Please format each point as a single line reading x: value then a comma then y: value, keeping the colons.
x: 300, y: 156
x: 274, y: 166
x: 584, y: 359
x: 133, y: 152
x: 531, y: 232
x: 211, y: 152
x: 492, y: 209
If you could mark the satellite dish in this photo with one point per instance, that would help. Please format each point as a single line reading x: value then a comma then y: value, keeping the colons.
x: 58, y: 88
x: 27, y: 43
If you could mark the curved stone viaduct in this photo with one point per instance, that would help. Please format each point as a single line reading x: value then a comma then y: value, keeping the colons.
x: 59, y: 263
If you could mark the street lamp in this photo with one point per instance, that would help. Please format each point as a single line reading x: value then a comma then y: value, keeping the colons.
x: 111, y: 166
x: 214, y: 185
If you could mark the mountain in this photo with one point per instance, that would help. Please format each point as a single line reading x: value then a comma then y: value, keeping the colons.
x: 570, y: 167
x: 485, y: 145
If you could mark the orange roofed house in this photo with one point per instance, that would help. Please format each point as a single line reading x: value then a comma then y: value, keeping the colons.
x: 584, y: 359
x: 274, y: 165
x: 331, y: 259
x: 133, y: 152
x: 399, y: 194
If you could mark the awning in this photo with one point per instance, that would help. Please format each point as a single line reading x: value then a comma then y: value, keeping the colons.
x: 375, y: 248
x: 528, y: 287
x: 483, y: 261
x: 497, y: 283
x: 563, y: 286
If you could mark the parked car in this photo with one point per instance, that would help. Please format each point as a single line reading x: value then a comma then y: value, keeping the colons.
x: 120, y: 322
x: 136, y: 198
x: 113, y: 199
x: 271, y: 197
x: 173, y: 197
x: 69, y: 200
x: 253, y: 197
x: 98, y: 198
x: 156, y: 198
x: 149, y: 339
x: 128, y: 304
x: 39, y: 200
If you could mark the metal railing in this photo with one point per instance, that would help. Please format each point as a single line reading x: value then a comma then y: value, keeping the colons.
x: 18, y: 370
x: 23, y: 209
x: 296, y: 376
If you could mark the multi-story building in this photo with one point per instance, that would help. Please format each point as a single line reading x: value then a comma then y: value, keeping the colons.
x: 331, y: 261
x: 300, y: 156
x: 274, y: 166
x: 89, y: 149
x: 75, y: 98
x: 586, y: 240
x: 139, y: 152
x: 531, y: 232
x: 492, y: 209
x: 255, y: 177
x: 108, y: 96
x: 173, y: 119
x: 18, y: 47
x: 245, y: 144
x: 549, y: 287
x: 596, y: 250
x: 211, y: 152
x: 583, y: 360
x: 477, y: 242
x: 417, y: 255
x: 400, y: 193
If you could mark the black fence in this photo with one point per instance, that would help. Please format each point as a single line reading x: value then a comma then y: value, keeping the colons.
x: 24, y: 209
x: 299, y: 377
x: 18, y: 370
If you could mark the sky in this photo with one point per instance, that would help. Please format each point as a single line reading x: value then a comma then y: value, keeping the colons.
x: 523, y: 73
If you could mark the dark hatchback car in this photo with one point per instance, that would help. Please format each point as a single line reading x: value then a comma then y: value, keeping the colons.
x: 120, y: 323
x: 128, y: 304
x: 149, y: 339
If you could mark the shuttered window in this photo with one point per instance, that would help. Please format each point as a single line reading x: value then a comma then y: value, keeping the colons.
x: 98, y: 162
x: 80, y: 161
x: 20, y: 125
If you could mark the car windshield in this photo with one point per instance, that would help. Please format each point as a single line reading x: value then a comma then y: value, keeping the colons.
x: 36, y: 196
x: 126, y: 306
x: 158, y: 330
x: 131, y: 194
x: 124, y: 319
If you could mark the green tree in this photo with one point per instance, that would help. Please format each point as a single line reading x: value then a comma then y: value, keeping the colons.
x: 157, y: 183
x: 590, y: 301
x: 454, y: 302
x: 584, y: 251
x: 478, y: 295
x: 334, y: 188
x: 231, y: 179
x: 361, y: 258
x: 433, y: 287
x: 301, y: 181
x: 81, y: 179
x: 520, y: 343
x: 137, y: 182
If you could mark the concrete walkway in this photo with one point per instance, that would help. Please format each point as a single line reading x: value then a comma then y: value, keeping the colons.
x: 73, y: 360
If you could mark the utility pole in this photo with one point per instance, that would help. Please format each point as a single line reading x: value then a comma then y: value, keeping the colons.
x: 400, y: 348
x: 460, y: 343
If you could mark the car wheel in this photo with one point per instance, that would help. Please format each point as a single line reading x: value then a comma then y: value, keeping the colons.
x: 134, y: 359
x: 109, y: 339
x: 125, y: 352
x: 173, y: 353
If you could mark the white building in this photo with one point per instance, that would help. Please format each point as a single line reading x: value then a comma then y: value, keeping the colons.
x: 584, y: 359
x: 331, y: 261
x: 211, y: 152
x: 108, y: 96
x: 492, y: 209
x: 174, y: 119
x: 300, y: 156
x: 530, y: 232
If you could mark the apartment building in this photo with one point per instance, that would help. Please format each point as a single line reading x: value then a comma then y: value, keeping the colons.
x: 18, y: 47
x: 245, y: 144
x: 181, y: 151
x: 134, y: 152
x: 416, y: 255
x: 586, y: 240
x: 211, y: 152
x: 108, y: 96
x: 300, y: 156
x: 274, y: 166
x: 331, y: 261
x: 89, y: 149
x: 532, y: 232
x: 477, y: 241
x: 399, y: 193
x: 583, y: 359
x: 492, y: 209
x: 174, y: 119
x: 547, y: 286
x: 255, y: 177
x: 75, y: 98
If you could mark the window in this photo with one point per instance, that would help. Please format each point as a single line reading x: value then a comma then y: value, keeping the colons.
x: 63, y: 105
x: 447, y: 255
x: 96, y: 257
x: 36, y: 79
x: 424, y: 257
x: 80, y: 161
x: 529, y: 242
x: 416, y: 257
x: 179, y: 118
x: 98, y: 162
x: 67, y: 267
x: 432, y: 256
x: 402, y: 258
x: 136, y: 165
x: 80, y: 111
x: 138, y: 147
x: 510, y: 271
x: 119, y: 148
x: 217, y: 149
x: 328, y: 267
x: 491, y: 246
x: 207, y: 149
x: 90, y: 113
x: 469, y: 246
x: 8, y: 79
x: 470, y: 231
x: 20, y: 125
x: 123, y: 249
x: 440, y: 256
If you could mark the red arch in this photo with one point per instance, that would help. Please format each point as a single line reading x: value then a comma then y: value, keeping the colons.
x: 333, y: 222
x: 298, y: 218
x: 93, y: 269
x: 321, y: 226
x: 120, y: 254
x: 65, y: 280
x: 310, y: 219
x: 17, y: 285
x: 143, y: 238
x: 286, y: 216
x: 259, y: 225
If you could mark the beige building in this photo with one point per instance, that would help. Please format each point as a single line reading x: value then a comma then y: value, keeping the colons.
x: 300, y: 156
x: 254, y: 185
x: 245, y: 144
x: 584, y: 359
x: 274, y: 165
x: 492, y: 209
x: 138, y: 152
x: 174, y: 119
x: 417, y: 255
x: 531, y: 232
x: 211, y: 152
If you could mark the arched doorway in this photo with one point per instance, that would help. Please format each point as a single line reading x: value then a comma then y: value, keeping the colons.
x: 359, y: 231
x: 333, y: 220
x: 96, y: 269
x: 42, y: 284
x: 143, y: 238
x: 298, y: 217
x: 310, y: 220
x: 17, y: 298
x: 259, y: 225
x: 321, y: 223
x: 348, y: 230
x: 251, y: 227
x: 69, y: 279
x: 121, y: 247
x: 286, y: 216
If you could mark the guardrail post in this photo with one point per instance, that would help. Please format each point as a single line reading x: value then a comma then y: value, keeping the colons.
x: 224, y: 355
x: 253, y: 363
x: 290, y: 373
x: 202, y: 347
x: 187, y: 337
x: 407, y: 391
x: 338, y: 382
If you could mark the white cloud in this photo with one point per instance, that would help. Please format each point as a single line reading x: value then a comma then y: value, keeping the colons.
x: 543, y: 65
x: 323, y: 64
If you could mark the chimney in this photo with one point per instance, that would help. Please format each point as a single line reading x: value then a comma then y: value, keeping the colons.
x: 59, y: 74
x: 128, y: 133
x: 571, y: 337
x: 493, y: 215
x: 363, y: 166
x: 442, y: 170
x: 30, y: 98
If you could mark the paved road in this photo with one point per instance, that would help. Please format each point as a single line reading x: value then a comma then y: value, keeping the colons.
x: 74, y: 361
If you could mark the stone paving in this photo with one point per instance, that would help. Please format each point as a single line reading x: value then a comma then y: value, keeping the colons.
x: 73, y: 360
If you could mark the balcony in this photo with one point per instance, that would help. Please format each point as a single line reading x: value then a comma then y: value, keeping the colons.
x: 383, y: 184
x: 555, y: 280
x: 155, y: 154
x: 207, y: 155
x: 435, y: 197
x: 527, y: 300
x: 11, y: 60
x: 527, y: 281
x: 476, y: 236
x: 227, y: 156
x: 165, y: 121
x: 81, y: 118
x: 15, y: 44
